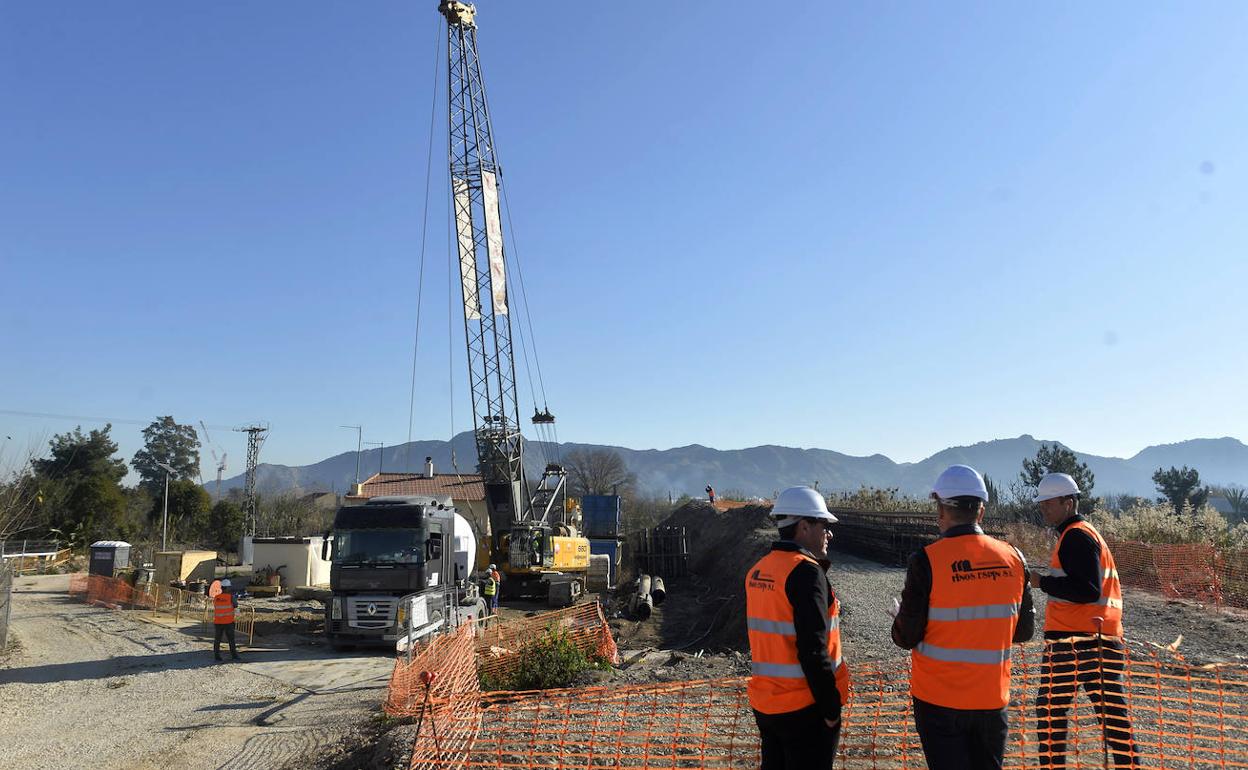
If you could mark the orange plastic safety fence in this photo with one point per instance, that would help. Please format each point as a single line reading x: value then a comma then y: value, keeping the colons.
x: 499, y: 644
x: 1176, y: 715
x: 117, y: 594
x: 1196, y: 572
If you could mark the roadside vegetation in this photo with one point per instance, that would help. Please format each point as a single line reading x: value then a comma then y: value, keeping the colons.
x: 550, y: 661
x: 72, y: 492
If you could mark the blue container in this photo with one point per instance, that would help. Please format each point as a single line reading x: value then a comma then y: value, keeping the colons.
x: 612, y: 549
x: 601, y: 516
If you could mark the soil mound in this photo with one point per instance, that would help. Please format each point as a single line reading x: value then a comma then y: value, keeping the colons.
x: 706, y: 609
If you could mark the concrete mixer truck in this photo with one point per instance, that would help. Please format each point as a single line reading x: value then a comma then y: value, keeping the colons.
x: 399, y: 572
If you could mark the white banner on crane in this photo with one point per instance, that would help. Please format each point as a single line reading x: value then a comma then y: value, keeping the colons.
x: 494, y: 239
x: 467, y: 249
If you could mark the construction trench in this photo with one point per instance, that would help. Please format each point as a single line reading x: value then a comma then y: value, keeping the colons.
x: 676, y: 696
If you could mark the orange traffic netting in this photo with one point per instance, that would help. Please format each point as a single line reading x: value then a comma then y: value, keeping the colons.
x: 490, y: 647
x: 117, y: 594
x: 1197, y: 572
x: 1176, y: 715
x: 499, y: 643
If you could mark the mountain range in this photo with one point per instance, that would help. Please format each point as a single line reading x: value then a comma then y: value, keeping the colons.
x: 762, y: 470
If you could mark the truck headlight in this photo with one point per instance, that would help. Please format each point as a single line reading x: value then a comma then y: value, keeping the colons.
x: 335, y: 608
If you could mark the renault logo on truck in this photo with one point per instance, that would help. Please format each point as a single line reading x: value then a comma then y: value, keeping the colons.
x: 372, y: 608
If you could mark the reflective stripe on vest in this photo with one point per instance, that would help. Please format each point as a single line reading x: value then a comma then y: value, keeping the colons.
x: 784, y: 670
x: 979, y: 612
x: 985, y: 657
x: 222, y: 609
x: 777, y: 684
x: 963, y: 661
x: 1079, y: 617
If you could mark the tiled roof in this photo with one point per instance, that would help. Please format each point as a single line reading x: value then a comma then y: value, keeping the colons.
x: 465, y: 486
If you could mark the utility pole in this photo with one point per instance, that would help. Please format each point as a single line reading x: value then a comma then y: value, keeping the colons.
x: 255, y: 437
x: 381, y: 461
x: 359, y: 444
x: 164, y: 527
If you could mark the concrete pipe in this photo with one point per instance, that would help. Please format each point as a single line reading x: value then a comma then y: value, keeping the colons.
x: 657, y: 590
x: 643, y: 584
x: 641, y: 606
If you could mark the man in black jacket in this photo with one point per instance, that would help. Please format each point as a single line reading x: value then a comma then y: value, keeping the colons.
x: 1082, y: 630
x: 962, y: 722
x: 799, y: 680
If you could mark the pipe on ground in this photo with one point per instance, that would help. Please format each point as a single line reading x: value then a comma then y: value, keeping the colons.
x: 658, y: 590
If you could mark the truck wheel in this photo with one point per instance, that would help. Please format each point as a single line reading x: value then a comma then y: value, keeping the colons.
x: 482, y: 609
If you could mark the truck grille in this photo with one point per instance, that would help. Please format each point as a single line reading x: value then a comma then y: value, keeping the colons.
x: 382, y: 615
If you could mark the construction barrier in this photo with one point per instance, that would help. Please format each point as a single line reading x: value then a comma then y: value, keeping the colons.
x: 493, y: 647
x: 498, y: 644
x: 1179, y: 715
x: 1196, y: 572
x: 176, y: 603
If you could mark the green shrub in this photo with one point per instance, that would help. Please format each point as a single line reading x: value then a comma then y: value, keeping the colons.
x: 1157, y: 523
x: 549, y: 661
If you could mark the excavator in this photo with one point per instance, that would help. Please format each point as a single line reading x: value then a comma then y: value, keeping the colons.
x: 534, y: 537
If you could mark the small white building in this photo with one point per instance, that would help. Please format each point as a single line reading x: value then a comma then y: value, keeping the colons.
x: 299, y: 558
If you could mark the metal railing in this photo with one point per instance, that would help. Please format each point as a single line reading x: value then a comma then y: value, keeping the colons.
x: 32, y: 555
x: 6, y: 602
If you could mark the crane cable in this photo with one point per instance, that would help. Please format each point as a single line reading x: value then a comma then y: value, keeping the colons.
x: 424, y: 233
x: 548, y: 433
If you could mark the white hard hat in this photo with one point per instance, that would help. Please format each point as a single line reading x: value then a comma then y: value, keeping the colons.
x: 800, y: 503
x: 1056, y: 485
x: 493, y: 566
x: 225, y: 583
x: 960, y: 481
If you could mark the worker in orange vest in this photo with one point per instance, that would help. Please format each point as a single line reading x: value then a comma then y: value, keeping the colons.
x: 799, y: 682
x: 498, y: 587
x: 223, y: 606
x: 1082, y: 629
x: 964, y: 604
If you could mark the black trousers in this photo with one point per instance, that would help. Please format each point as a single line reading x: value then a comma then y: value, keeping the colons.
x: 226, y: 630
x: 1097, y: 666
x: 961, y: 739
x: 797, y: 740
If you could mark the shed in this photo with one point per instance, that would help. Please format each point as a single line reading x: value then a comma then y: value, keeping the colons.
x: 185, y: 566
x: 300, y: 555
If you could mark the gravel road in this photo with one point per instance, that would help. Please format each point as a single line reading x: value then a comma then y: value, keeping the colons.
x: 94, y: 688
x: 866, y: 590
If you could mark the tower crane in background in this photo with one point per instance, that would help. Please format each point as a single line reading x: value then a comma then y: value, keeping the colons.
x: 534, y: 538
x: 219, y: 460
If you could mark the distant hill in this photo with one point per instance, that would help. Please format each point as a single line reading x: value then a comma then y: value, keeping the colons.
x: 762, y: 470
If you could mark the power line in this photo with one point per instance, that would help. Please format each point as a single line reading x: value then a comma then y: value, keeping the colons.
x: 84, y: 418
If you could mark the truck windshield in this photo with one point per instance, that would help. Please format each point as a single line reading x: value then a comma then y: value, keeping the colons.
x: 379, y: 546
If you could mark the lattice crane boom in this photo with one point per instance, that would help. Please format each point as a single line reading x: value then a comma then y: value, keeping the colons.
x: 474, y: 176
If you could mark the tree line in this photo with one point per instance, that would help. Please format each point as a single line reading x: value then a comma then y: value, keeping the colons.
x: 75, y: 494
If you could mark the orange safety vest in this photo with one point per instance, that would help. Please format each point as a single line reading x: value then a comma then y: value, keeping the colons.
x: 963, y: 661
x: 223, y: 609
x: 777, y: 684
x: 1078, y: 618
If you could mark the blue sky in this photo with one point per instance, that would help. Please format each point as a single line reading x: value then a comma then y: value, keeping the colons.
x: 882, y: 228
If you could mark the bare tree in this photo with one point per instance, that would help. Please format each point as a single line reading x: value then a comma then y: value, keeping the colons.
x: 598, y: 472
x: 19, y: 496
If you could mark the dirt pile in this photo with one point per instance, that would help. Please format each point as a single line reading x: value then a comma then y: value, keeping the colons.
x: 704, y: 609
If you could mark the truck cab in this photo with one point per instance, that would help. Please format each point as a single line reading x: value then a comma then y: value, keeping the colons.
x: 393, y: 554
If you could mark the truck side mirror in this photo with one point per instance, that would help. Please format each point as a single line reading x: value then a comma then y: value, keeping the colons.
x: 325, y: 547
x: 433, y: 547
